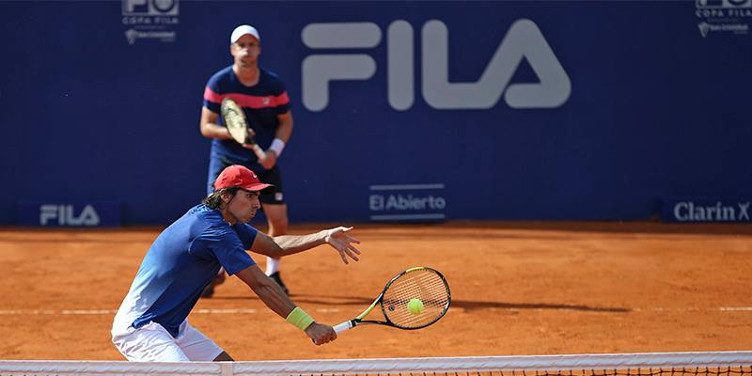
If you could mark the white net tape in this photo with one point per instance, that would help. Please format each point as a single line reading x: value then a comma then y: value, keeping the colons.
x: 703, y: 363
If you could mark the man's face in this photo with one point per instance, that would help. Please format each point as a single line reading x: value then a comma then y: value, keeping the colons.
x: 244, y: 205
x: 246, y: 50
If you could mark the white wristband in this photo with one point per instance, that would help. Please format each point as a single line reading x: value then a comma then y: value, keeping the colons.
x: 277, y: 146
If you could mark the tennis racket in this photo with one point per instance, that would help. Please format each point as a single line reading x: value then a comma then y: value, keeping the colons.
x: 234, y: 119
x: 398, y: 301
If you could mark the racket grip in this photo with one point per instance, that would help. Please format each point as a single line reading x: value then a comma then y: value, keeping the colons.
x: 259, y: 151
x: 339, y: 328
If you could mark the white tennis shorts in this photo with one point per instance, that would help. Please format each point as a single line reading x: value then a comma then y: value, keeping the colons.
x: 152, y: 343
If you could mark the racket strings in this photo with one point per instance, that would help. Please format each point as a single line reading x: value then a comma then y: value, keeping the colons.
x: 234, y: 120
x: 423, y: 284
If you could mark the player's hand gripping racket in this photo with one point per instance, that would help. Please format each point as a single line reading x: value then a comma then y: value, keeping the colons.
x: 414, y: 299
x: 234, y: 119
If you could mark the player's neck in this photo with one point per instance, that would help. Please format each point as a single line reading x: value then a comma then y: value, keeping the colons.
x: 248, y: 76
x: 229, y: 218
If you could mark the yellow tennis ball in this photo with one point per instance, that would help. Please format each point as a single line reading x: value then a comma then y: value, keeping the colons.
x: 415, y: 306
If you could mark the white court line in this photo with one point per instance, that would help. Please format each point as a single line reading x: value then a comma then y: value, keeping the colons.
x: 619, y: 310
x: 736, y: 308
x: 232, y: 311
x: 39, y: 312
x: 235, y: 311
x: 692, y: 309
x: 64, y: 312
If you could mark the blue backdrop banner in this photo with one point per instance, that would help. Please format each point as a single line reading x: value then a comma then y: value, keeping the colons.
x: 551, y: 110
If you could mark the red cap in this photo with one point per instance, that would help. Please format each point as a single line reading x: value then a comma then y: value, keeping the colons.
x: 239, y: 176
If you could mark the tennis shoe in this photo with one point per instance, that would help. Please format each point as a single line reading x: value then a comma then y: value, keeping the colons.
x: 208, y: 291
x: 275, y: 276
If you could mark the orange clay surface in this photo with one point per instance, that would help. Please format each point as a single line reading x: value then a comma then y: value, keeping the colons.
x: 517, y: 288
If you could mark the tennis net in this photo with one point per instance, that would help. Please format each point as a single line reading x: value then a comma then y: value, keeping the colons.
x: 730, y: 363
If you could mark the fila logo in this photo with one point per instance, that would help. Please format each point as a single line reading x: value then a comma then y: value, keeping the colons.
x: 64, y: 215
x: 523, y: 40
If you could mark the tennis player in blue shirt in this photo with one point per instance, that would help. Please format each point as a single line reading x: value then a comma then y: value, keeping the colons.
x: 151, y: 324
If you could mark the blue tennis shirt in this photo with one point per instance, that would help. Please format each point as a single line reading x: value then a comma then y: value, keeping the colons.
x: 181, y: 262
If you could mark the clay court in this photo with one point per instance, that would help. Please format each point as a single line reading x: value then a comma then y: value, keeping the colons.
x: 517, y: 288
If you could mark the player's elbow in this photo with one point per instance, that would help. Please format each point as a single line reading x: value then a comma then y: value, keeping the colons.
x: 272, y: 250
x: 276, y: 251
x: 205, y: 129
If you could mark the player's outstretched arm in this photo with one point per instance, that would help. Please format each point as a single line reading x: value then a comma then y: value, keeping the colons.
x: 284, y: 245
x: 272, y: 295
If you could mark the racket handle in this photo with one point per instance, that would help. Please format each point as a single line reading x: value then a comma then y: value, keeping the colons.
x: 259, y: 151
x: 339, y: 328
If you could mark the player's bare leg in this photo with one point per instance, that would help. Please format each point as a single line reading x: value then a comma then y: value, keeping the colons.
x: 276, y: 216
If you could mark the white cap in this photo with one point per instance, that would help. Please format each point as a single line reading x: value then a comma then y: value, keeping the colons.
x: 243, y: 30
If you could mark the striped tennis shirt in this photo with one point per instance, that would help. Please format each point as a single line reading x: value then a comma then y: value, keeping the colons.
x: 261, y: 103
